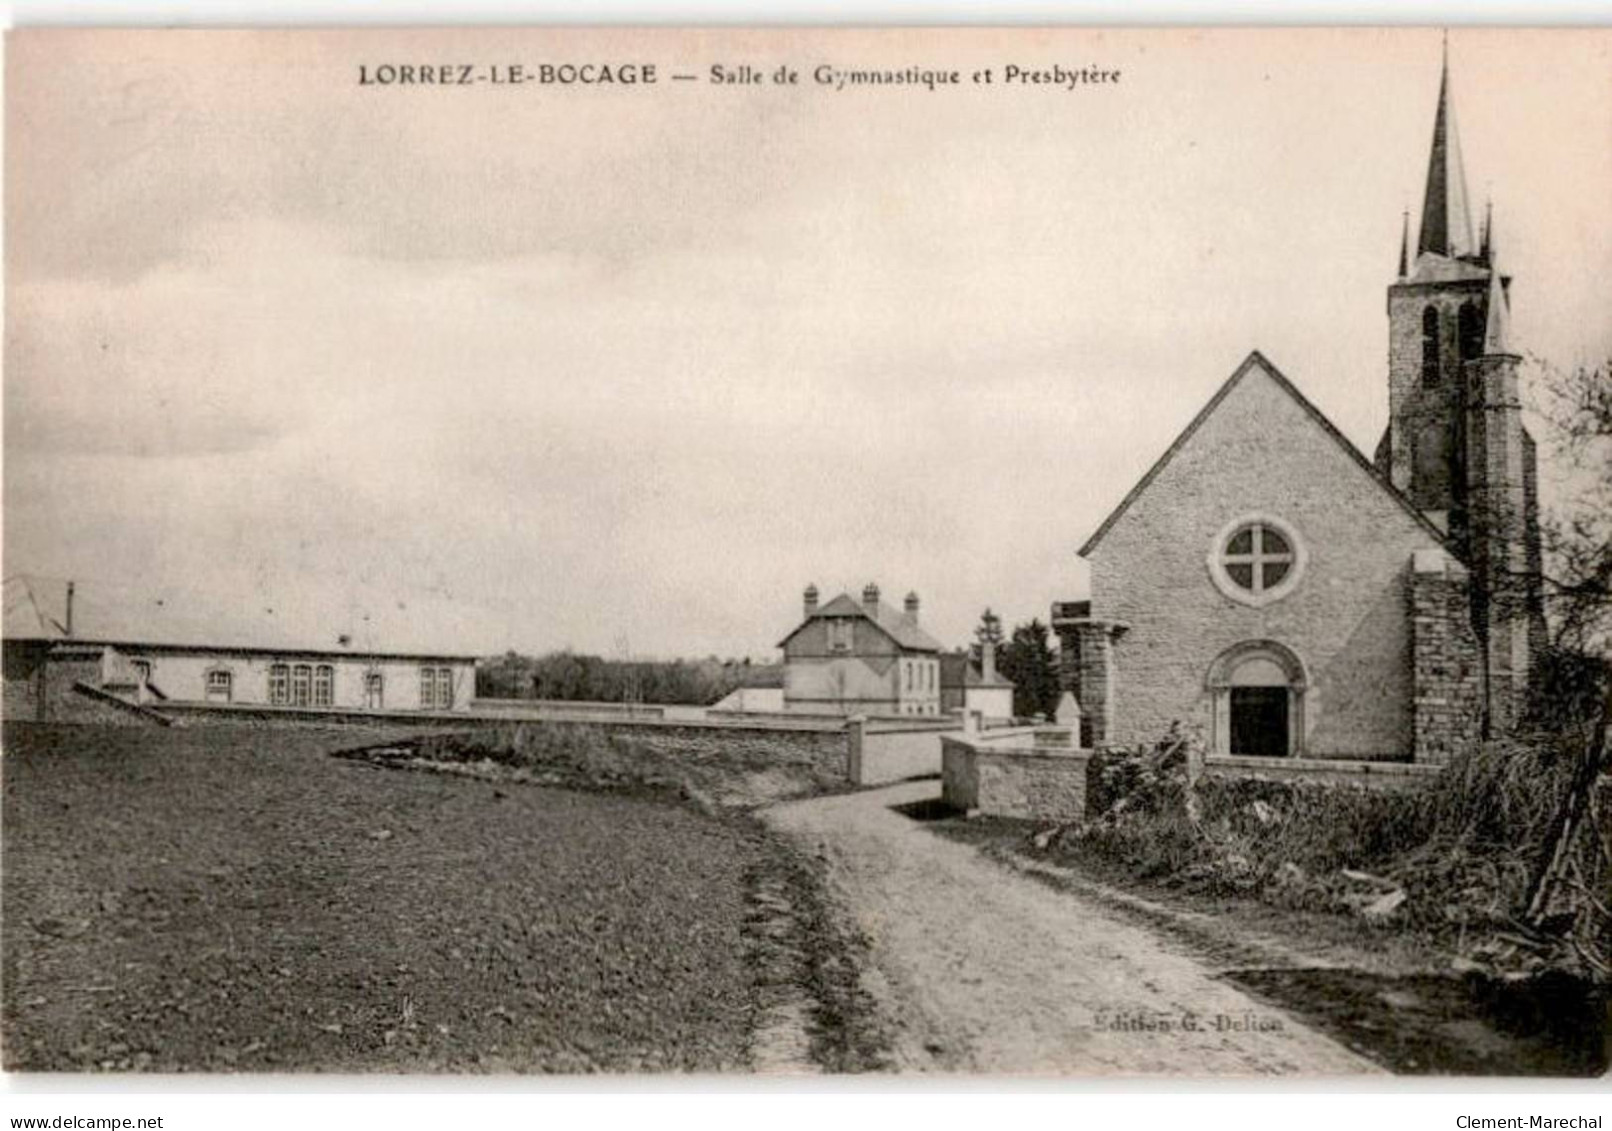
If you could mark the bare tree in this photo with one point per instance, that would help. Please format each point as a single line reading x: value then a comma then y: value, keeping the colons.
x: 1578, y: 406
x: 1577, y: 536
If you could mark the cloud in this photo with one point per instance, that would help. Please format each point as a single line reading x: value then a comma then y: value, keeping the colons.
x: 570, y: 367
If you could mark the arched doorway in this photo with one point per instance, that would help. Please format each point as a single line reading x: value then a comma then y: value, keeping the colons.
x: 1258, y: 688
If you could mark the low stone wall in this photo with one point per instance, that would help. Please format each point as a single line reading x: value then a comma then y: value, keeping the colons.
x: 1038, y: 783
x: 543, y: 708
x: 823, y: 749
x: 882, y: 752
x: 97, y: 706
x: 259, y: 715
x: 776, y: 716
x: 1376, y: 775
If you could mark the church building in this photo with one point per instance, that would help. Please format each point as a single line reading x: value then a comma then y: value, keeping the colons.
x: 1268, y: 584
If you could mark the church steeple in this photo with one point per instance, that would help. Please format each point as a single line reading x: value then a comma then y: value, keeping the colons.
x: 1456, y: 445
x: 1446, y: 219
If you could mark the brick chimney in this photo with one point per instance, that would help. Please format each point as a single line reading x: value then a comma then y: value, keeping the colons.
x: 870, y: 598
x: 810, y: 600
x: 987, y: 662
x: 910, y: 609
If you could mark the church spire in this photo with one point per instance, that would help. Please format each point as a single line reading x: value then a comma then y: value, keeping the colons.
x: 1497, y: 331
x: 1446, y: 220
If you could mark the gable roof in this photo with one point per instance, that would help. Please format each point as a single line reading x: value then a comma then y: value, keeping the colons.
x: 1257, y: 360
x: 889, y: 621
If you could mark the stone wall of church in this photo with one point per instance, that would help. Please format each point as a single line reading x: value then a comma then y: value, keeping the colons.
x: 1261, y: 452
x: 1446, y: 660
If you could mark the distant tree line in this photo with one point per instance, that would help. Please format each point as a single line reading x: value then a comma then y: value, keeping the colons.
x: 575, y: 676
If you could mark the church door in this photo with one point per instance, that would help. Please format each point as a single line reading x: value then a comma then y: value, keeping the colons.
x: 1259, y: 721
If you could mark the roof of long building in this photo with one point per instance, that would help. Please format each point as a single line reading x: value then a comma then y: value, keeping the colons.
x: 110, y: 613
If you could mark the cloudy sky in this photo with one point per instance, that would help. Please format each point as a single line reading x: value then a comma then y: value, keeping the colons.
x: 537, y: 367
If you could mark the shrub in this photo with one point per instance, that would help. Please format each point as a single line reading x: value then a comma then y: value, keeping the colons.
x: 1464, y: 847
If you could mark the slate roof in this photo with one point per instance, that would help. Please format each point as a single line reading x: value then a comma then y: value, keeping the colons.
x: 891, y: 622
x: 957, y: 669
x: 1446, y: 218
x: 129, y: 614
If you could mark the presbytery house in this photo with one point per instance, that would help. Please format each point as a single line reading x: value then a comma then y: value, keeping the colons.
x: 853, y: 657
x: 1269, y: 585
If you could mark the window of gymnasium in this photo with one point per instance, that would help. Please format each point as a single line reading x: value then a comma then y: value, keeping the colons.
x: 220, y: 685
x: 301, y: 685
x: 436, y: 688
x: 279, y: 684
x: 324, y: 685
x: 374, y: 690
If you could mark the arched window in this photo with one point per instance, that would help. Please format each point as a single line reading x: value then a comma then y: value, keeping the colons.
x: 1430, y: 359
x: 220, y: 685
x: 279, y: 684
x: 374, y: 690
x: 1258, y: 688
x: 324, y: 685
x: 301, y: 685
x: 1470, y: 332
x: 1256, y: 559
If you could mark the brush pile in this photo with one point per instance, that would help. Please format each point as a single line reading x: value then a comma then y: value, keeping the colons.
x: 1505, y: 859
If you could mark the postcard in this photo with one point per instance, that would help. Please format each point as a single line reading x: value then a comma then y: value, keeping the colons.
x: 1024, y: 552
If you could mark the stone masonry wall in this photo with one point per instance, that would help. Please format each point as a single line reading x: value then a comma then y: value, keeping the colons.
x: 1007, y: 783
x: 1448, y: 689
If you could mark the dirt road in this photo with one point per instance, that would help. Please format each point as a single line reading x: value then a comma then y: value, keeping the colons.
x: 983, y: 970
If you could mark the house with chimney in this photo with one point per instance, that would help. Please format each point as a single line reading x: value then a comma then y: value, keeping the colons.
x: 850, y: 657
x: 966, y: 685
x: 1271, y: 587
